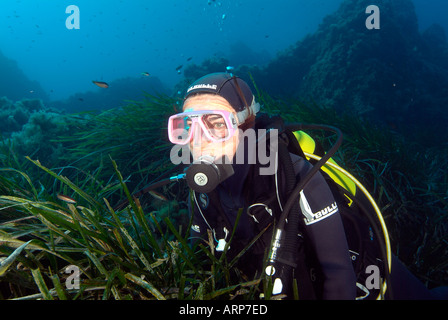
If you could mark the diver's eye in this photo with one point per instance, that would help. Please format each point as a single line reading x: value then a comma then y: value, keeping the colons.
x: 214, y: 121
x: 218, y: 125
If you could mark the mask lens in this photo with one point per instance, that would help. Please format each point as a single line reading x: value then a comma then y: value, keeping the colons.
x: 216, y: 126
x: 180, y: 129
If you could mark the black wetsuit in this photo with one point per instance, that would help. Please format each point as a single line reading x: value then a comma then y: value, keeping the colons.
x: 326, y: 234
x: 322, y: 223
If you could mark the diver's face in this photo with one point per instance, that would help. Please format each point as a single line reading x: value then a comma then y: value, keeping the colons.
x: 200, y: 145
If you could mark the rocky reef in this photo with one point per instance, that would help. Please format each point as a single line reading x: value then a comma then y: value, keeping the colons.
x: 395, y: 75
x: 32, y: 128
x: 15, y: 85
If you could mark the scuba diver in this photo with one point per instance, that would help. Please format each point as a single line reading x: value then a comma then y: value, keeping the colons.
x: 250, y: 179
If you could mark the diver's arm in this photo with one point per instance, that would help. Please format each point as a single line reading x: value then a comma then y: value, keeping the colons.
x: 330, y: 245
x: 325, y: 231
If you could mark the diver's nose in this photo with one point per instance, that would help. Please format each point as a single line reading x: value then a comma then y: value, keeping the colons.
x: 199, y: 138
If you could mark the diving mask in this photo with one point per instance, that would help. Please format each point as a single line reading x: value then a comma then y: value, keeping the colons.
x: 217, y: 125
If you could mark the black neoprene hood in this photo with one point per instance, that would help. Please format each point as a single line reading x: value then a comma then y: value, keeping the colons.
x: 223, y: 84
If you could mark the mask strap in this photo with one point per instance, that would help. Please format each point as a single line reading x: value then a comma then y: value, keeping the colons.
x: 238, y: 88
x: 253, y: 109
x: 248, y: 110
x: 240, y: 92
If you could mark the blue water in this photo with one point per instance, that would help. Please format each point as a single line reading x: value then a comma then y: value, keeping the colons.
x: 120, y: 38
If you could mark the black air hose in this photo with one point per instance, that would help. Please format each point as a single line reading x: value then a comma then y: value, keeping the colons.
x: 288, y: 252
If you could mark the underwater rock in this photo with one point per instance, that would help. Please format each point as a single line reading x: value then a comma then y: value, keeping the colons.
x: 391, y: 75
x: 32, y: 128
x: 345, y: 65
x: 37, y: 138
x: 15, y: 85
x: 14, y: 115
x: 435, y: 47
x: 435, y: 35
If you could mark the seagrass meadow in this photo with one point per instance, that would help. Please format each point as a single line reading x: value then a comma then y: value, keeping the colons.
x: 59, y: 209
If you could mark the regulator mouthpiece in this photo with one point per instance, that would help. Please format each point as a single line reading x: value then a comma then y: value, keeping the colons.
x: 204, y: 174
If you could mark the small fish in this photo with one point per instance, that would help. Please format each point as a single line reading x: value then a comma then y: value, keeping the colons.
x: 158, y: 196
x: 145, y: 74
x: 66, y: 198
x: 101, y: 84
x: 189, y: 59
